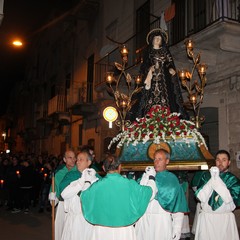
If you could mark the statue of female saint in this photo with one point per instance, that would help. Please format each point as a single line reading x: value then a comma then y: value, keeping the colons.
x: 161, y: 83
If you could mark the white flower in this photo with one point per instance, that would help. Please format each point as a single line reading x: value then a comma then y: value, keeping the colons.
x: 160, y: 125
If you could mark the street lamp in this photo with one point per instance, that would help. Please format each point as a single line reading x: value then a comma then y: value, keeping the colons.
x: 17, y: 43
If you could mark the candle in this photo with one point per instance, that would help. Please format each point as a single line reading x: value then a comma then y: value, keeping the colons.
x: 2, y: 182
x: 45, y: 176
x: 124, y: 51
x: 182, y: 74
x: 193, y: 98
x: 138, y: 79
x: 109, y: 77
x: 42, y: 169
x: 189, y: 44
x: 123, y: 104
x: 18, y: 173
x: 202, y: 68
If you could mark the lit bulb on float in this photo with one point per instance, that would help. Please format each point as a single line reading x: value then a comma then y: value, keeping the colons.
x: 109, y: 77
x: 110, y: 114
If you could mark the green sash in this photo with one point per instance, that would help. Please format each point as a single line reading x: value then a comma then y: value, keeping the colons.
x: 197, y: 178
x: 69, y: 177
x: 170, y: 193
x: 232, y: 183
x: 59, y: 175
x: 115, y: 201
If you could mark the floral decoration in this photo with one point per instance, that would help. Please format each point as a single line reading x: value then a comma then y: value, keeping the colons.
x: 158, y: 125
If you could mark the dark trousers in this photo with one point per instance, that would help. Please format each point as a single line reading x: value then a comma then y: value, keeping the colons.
x: 43, y: 200
x: 25, y: 197
x: 14, y: 197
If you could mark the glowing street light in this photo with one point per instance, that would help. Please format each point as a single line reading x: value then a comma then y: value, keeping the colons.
x: 17, y: 43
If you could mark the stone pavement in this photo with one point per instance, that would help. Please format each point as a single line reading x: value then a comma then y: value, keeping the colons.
x: 20, y: 226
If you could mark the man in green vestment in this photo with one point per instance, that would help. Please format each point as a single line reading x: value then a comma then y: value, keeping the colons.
x: 75, y: 226
x: 114, y: 203
x: 164, y: 216
x: 70, y: 160
x: 219, y: 194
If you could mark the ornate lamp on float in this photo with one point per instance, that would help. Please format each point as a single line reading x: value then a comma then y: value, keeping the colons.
x: 194, y: 87
x: 110, y: 114
x: 123, y: 99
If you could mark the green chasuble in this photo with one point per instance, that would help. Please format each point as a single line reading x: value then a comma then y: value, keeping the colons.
x: 232, y: 183
x: 115, y: 201
x: 60, y: 173
x: 69, y: 177
x: 197, y: 178
x: 170, y: 193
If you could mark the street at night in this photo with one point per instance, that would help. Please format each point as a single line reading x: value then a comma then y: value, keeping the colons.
x: 20, y: 226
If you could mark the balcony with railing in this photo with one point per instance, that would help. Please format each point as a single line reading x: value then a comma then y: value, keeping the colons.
x: 41, y: 113
x: 83, y: 100
x: 207, y: 19
x: 57, y: 109
x: 57, y: 104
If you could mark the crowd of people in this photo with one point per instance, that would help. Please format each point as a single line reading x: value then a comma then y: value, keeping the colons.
x: 25, y: 181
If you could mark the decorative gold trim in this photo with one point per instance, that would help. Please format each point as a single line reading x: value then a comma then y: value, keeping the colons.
x: 205, y: 152
x: 153, y: 147
x: 155, y: 30
x: 174, y: 165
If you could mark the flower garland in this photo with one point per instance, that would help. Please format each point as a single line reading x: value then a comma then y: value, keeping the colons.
x: 159, y: 124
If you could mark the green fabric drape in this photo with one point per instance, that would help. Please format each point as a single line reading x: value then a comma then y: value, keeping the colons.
x: 232, y: 183
x: 170, y: 193
x: 115, y: 201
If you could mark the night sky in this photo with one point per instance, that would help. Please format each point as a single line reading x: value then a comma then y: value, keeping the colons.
x: 21, y: 19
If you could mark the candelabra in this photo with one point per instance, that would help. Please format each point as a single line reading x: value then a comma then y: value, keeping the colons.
x: 194, y: 87
x: 123, y: 96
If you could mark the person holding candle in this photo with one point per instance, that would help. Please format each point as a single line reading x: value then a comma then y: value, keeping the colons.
x: 69, y: 160
x: 161, y: 85
x: 46, y: 173
x: 12, y: 183
x: 4, y: 166
x: 38, y: 179
x: 26, y: 177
